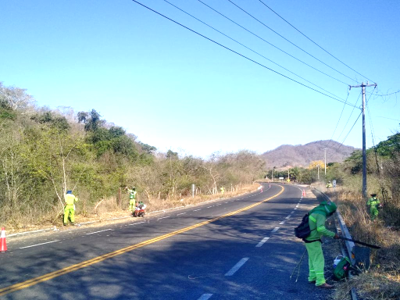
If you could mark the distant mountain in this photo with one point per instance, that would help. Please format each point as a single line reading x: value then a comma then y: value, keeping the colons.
x: 288, y: 156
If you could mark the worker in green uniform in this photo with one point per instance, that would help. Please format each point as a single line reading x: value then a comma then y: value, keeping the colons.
x: 313, y: 243
x: 222, y: 190
x: 132, y: 198
x: 69, y: 209
x: 373, y: 204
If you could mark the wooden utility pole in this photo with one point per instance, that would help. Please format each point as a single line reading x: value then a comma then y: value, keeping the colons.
x: 364, y: 151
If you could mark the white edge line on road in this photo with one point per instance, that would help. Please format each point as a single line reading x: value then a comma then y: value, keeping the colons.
x: 281, y: 223
x: 97, y: 231
x: 262, y: 241
x: 163, y: 218
x: 295, y: 208
x: 136, y: 223
x: 275, y: 229
x: 181, y: 214
x: 288, y: 217
x: 39, y: 244
x: 197, y: 209
x: 237, y: 266
x: 205, y: 297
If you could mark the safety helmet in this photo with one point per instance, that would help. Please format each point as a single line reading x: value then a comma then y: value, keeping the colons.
x: 373, y: 195
x: 330, y: 207
x: 133, y: 188
x: 69, y: 192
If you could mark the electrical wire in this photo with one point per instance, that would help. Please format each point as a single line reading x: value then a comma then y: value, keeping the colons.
x: 348, y: 120
x: 237, y: 53
x: 313, y: 41
x: 385, y: 95
x: 236, y: 41
x: 372, y: 134
x: 342, y: 143
x: 272, y: 45
x: 370, y: 119
x: 366, y: 102
x: 290, y: 41
x: 340, y: 117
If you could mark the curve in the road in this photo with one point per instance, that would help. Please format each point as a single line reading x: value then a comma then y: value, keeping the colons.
x: 84, y: 264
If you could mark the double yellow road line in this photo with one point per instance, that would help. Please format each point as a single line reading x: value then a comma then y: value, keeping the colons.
x: 87, y: 263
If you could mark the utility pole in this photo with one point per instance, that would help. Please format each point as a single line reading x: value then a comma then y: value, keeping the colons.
x: 325, y: 163
x: 318, y: 172
x: 364, y: 151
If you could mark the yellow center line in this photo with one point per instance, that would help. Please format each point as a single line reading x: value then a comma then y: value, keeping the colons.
x: 87, y: 263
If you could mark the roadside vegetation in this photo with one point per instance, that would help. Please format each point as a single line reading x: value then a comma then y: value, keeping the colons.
x: 382, y: 280
x: 44, y: 153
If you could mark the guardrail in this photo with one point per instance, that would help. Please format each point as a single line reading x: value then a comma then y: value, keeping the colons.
x: 349, y: 245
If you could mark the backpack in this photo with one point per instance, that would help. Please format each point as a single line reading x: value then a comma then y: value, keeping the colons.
x: 303, y: 230
x: 342, y: 269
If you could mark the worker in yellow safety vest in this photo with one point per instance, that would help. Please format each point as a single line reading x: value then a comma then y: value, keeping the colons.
x: 69, y: 209
x: 132, y: 199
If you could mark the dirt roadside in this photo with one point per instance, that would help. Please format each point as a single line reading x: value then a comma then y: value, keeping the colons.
x: 114, y: 217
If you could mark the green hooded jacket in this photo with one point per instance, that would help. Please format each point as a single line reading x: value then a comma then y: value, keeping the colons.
x: 317, y: 219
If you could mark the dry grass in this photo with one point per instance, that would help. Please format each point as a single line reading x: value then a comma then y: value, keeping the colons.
x: 108, y: 209
x: 382, y: 280
x: 370, y: 286
x: 162, y: 204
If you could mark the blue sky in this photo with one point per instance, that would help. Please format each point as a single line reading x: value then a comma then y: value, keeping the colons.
x: 176, y: 90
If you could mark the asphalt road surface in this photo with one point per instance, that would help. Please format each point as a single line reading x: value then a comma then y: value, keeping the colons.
x: 238, y: 248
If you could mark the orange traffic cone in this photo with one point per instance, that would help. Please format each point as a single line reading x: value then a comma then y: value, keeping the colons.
x: 304, y: 193
x: 3, y: 244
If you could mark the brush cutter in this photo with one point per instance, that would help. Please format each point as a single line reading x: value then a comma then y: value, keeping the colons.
x: 361, y: 243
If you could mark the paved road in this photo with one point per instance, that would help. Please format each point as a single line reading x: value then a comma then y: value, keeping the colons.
x: 239, y: 248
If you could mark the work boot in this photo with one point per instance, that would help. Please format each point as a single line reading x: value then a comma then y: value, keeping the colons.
x: 326, y: 286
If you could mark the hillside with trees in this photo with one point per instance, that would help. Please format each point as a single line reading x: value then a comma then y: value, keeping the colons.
x: 290, y: 156
x: 44, y: 153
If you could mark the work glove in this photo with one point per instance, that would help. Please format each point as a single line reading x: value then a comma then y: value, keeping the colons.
x: 336, y: 236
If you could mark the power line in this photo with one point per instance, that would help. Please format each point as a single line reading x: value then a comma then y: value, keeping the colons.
x: 348, y: 120
x: 313, y: 41
x: 385, y: 95
x: 370, y: 118
x: 233, y: 51
x: 236, y: 41
x: 371, y: 95
x: 397, y: 120
x: 264, y: 40
x: 353, y: 125
x: 340, y: 117
x: 341, y: 144
x: 290, y: 41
